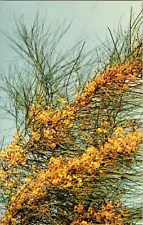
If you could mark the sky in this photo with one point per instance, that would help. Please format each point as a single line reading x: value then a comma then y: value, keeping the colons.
x: 90, y: 20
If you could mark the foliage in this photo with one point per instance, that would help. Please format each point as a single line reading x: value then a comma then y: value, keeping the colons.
x: 75, y: 162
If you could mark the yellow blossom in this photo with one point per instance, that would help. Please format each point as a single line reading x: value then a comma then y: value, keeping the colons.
x: 62, y: 100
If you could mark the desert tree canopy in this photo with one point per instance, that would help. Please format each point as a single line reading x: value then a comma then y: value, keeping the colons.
x: 75, y: 157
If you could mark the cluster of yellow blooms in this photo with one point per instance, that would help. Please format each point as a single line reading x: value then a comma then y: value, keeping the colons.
x: 110, y: 213
x: 54, y: 124
x: 115, y: 77
x: 14, y: 154
x: 121, y: 143
x: 72, y: 172
x: 48, y: 128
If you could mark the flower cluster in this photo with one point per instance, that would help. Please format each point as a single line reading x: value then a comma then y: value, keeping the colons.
x: 51, y: 125
x: 73, y: 172
x: 117, y: 77
x: 14, y: 154
x: 110, y: 213
x: 29, y: 174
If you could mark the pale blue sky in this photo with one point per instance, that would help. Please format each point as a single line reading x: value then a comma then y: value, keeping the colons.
x: 90, y: 18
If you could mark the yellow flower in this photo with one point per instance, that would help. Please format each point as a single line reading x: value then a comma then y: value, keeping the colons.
x: 27, y: 179
x: 35, y: 136
x: 69, y: 184
x: 119, y: 131
x: 79, y: 208
x: 52, y: 145
x: 125, y: 86
x: 96, y: 165
x: 83, y: 223
x: 36, y: 191
x: 79, y: 182
x: 55, y: 181
x: 90, y: 150
x: 62, y: 100
x: 99, y: 130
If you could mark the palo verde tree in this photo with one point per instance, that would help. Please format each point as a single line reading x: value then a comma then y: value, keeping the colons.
x: 76, y: 150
